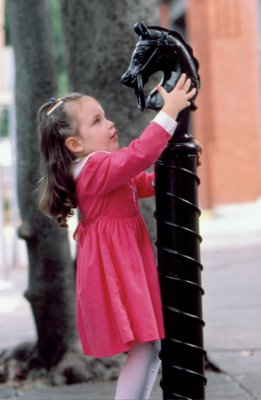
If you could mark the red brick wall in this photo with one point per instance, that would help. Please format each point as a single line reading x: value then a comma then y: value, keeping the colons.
x: 224, y: 37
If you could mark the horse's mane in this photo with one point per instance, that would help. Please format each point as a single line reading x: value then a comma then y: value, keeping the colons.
x: 178, y: 36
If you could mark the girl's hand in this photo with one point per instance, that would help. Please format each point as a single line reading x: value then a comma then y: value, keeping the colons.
x: 179, y: 98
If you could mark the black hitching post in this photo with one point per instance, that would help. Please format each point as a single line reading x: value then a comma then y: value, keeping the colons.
x: 177, y: 214
x: 178, y: 247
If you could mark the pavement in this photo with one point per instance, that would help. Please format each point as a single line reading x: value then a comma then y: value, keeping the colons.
x: 231, y: 254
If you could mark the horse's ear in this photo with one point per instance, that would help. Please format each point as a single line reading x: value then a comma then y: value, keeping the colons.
x: 140, y: 28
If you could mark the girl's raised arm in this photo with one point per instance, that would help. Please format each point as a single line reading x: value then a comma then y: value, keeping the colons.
x: 104, y: 171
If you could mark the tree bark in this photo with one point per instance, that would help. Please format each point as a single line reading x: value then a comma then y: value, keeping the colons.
x: 51, y: 273
x: 99, y: 41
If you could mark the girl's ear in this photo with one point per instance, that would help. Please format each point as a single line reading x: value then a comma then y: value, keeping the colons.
x: 74, y: 144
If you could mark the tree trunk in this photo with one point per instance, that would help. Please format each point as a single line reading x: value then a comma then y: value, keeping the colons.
x: 99, y: 41
x: 51, y: 273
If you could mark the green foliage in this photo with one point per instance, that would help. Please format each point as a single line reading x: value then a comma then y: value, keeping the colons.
x: 4, y: 123
x: 7, y: 27
x: 59, y: 47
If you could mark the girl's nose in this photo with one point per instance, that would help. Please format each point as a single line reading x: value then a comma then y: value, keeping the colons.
x: 111, y: 124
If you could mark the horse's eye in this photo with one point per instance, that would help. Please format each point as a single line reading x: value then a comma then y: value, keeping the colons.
x: 139, y: 56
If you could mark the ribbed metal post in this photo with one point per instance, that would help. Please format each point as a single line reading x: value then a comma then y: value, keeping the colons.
x: 178, y: 246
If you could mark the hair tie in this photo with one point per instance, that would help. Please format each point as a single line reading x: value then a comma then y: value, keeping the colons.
x: 54, y: 104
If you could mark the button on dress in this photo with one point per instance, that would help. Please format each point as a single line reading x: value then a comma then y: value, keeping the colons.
x: 118, y: 299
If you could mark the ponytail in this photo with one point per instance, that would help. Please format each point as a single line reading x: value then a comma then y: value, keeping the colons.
x: 56, y: 186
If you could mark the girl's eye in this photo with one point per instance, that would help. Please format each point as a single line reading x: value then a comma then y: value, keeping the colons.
x: 97, y: 120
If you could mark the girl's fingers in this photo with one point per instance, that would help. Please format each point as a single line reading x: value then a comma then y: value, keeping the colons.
x: 191, y: 93
x: 181, y: 81
x: 161, y: 90
x: 187, y: 85
x: 182, y: 85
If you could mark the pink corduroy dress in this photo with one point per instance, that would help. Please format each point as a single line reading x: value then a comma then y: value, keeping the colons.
x: 118, y: 299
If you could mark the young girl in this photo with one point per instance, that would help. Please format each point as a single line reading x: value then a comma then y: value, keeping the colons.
x: 117, y: 290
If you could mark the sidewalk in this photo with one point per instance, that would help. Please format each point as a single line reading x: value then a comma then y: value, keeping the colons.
x: 231, y: 253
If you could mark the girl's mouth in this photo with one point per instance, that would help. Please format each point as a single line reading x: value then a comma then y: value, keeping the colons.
x: 114, y: 136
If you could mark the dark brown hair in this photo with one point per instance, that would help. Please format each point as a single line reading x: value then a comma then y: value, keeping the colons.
x: 56, y: 186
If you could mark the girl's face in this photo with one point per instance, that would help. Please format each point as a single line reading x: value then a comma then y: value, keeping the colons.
x: 95, y: 131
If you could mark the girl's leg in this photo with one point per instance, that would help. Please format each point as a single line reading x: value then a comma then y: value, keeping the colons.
x: 133, y: 377
x: 153, y: 371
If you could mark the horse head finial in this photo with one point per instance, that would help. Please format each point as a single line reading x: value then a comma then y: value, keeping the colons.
x: 159, y: 49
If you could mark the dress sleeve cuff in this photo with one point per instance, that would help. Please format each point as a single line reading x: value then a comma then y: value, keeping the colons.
x: 166, y: 122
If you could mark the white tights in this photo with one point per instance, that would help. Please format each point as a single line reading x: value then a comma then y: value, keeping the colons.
x: 139, y: 372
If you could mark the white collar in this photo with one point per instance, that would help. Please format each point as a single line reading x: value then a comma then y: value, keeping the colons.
x: 79, y: 163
